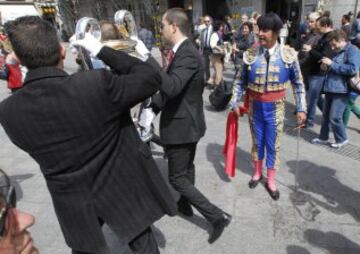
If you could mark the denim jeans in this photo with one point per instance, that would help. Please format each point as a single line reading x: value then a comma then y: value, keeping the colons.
x: 333, y: 112
x: 314, y: 96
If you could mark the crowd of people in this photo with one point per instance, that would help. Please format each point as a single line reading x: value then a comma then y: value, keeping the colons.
x: 315, y: 54
x: 80, y: 131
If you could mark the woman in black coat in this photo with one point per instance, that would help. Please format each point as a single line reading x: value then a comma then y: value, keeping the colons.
x: 243, y: 41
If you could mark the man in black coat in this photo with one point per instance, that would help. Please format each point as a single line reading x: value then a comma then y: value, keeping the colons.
x: 79, y: 130
x: 317, y: 71
x: 182, y: 121
x: 205, y: 48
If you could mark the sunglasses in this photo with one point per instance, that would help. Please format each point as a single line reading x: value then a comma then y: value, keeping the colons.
x: 7, y: 199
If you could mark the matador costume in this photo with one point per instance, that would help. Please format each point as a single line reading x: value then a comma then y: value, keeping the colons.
x: 265, y: 75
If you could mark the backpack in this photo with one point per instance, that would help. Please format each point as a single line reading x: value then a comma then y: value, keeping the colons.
x: 221, y: 96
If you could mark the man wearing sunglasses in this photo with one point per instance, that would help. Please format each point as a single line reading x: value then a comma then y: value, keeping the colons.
x: 14, y: 237
x: 205, y: 45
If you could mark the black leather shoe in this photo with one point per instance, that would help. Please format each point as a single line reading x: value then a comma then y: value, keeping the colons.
x: 219, y: 226
x: 254, y: 183
x: 275, y: 195
x: 185, y: 208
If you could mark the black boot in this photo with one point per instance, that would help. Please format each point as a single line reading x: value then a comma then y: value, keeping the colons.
x: 219, y: 226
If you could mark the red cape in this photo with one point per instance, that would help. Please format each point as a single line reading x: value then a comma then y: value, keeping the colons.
x: 230, y: 144
x: 231, y: 139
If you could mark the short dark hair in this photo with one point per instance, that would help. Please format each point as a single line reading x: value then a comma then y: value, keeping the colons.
x: 109, y: 31
x: 217, y: 24
x: 327, y: 14
x: 270, y: 21
x: 325, y: 21
x: 337, y: 35
x: 346, y: 17
x: 248, y: 24
x: 179, y: 17
x: 34, y: 41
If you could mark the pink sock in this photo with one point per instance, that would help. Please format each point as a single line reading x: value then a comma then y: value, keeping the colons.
x: 257, y: 169
x: 271, y: 179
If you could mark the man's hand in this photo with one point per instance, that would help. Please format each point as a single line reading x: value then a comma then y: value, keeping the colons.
x: 236, y: 110
x: 306, y: 48
x: 17, y: 240
x: 234, y: 48
x: 301, y: 118
x: 326, y: 61
x: 90, y: 43
x: 141, y: 49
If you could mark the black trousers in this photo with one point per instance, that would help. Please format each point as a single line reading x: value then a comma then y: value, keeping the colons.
x: 182, y: 178
x: 144, y: 243
x: 206, y: 56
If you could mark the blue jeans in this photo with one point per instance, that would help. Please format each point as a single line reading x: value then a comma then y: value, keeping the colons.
x: 333, y: 112
x: 314, y: 98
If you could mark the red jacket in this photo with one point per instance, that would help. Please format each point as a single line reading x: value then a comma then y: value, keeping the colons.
x: 14, y: 76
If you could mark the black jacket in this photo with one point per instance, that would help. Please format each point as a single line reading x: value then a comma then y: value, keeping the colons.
x: 321, y: 49
x: 79, y: 130
x: 182, y: 119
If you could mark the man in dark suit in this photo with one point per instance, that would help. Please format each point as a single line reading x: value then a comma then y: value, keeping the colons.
x: 79, y: 130
x: 182, y: 121
x: 205, y: 45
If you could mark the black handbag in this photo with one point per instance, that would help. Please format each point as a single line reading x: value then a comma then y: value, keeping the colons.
x: 221, y: 96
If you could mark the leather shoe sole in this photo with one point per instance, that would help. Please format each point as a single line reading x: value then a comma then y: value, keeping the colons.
x: 254, y: 183
x: 218, y: 227
x: 275, y: 195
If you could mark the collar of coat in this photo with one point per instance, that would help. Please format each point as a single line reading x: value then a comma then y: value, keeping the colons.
x: 43, y: 72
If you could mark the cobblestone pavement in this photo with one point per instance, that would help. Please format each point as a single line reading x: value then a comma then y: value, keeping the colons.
x: 321, y: 216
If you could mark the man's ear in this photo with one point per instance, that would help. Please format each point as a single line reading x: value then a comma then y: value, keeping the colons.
x: 62, y: 51
x: 174, y: 28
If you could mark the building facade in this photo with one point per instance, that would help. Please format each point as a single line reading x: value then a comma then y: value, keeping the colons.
x: 144, y: 11
x: 292, y: 10
x: 149, y: 12
x: 47, y: 9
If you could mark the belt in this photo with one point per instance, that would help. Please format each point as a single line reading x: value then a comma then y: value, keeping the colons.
x: 266, y: 97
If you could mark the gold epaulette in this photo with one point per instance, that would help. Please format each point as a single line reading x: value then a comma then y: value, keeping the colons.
x: 250, y: 55
x: 288, y: 54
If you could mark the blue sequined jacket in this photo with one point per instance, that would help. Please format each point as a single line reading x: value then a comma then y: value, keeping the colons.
x: 283, y: 71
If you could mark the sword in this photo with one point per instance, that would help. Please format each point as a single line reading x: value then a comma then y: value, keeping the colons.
x: 298, y: 128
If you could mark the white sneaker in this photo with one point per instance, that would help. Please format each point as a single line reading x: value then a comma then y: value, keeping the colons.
x: 338, y: 145
x: 319, y: 141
